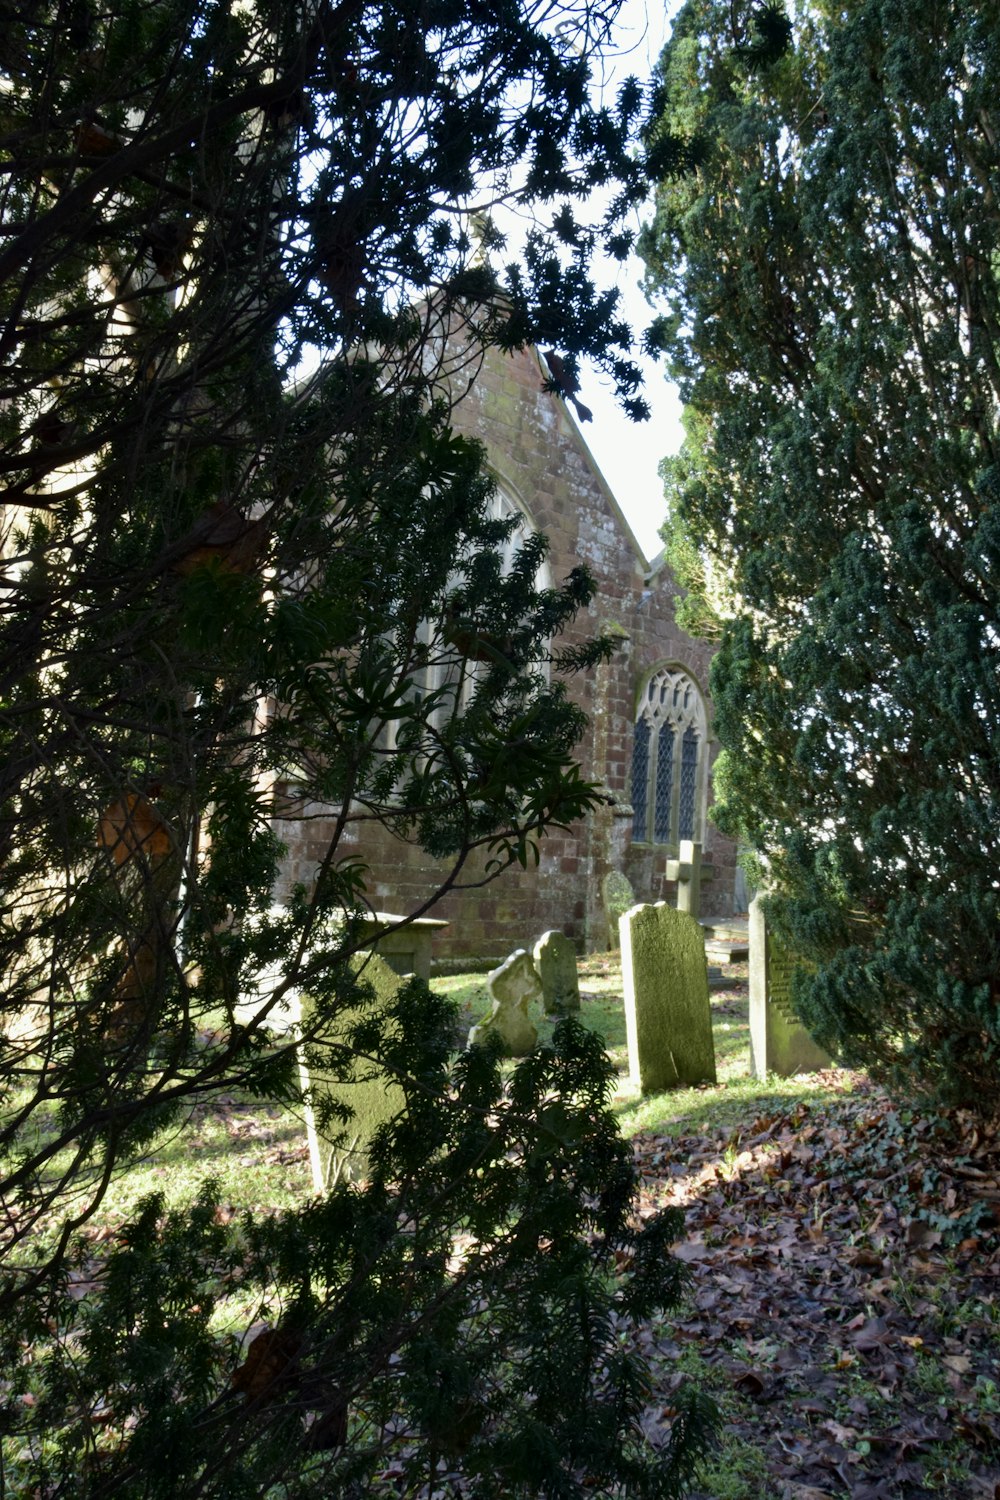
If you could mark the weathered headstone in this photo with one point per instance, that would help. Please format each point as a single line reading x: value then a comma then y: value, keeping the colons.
x: 555, y: 962
x: 779, y: 1043
x: 513, y: 986
x: 618, y: 897
x: 668, y: 1018
x: 373, y: 1098
x: 688, y: 872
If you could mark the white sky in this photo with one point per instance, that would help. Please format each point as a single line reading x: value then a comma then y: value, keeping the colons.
x: 628, y: 452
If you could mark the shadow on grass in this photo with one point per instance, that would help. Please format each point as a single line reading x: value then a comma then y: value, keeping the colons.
x: 257, y: 1154
x: 720, y: 1109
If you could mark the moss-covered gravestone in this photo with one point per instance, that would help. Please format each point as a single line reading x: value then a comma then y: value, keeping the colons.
x: 513, y: 987
x: 779, y: 1043
x: 555, y: 963
x: 338, y: 1150
x: 618, y: 897
x: 668, y: 1018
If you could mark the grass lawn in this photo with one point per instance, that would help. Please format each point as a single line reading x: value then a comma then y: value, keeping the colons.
x: 674, y: 1111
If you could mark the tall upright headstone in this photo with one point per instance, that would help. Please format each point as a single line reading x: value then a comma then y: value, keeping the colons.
x: 372, y: 1096
x: 555, y: 963
x: 618, y: 897
x: 779, y: 1043
x: 668, y: 1017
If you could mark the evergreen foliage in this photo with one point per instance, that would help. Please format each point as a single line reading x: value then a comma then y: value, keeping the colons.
x: 250, y: 571
x: 458, y: 1313
x: 830, y: 270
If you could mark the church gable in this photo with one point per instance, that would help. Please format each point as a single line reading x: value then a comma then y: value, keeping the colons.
x: 545, y: 471
x: 537, y: 449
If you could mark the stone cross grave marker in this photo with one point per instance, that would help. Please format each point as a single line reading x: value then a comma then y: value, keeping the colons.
x: 617, y: 897
x: 513, y: 986
x: 555, y: 962
x: 779, y: 1043
x: 688, y: 873
x: 668, y: 1018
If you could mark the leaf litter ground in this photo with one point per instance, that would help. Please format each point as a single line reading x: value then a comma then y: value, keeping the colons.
x: 844, y: 1256
x: 844, y: 1309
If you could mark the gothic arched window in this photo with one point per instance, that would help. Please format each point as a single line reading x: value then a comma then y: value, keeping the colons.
x: 669, y: 760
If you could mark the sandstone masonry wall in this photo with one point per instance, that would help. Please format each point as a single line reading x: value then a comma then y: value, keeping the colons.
x: 542, y: 464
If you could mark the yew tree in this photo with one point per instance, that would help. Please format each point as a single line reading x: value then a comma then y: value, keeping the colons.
x: 248, y: 259
x: 826, y: 251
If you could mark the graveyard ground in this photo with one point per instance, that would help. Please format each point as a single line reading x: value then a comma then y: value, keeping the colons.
x: 845, y: 1303
x: 844, y: 1255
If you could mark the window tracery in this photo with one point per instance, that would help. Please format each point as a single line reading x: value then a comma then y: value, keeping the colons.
x: 669, y: 757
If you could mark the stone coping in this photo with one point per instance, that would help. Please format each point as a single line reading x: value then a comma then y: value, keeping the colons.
x: 726, y: 927
x: 390, y: 919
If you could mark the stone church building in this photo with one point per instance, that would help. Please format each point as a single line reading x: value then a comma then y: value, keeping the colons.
x: 649, y: 738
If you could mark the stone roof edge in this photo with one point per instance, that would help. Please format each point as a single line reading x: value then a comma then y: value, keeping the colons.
x: 657, y: 565
x: 609, y: 493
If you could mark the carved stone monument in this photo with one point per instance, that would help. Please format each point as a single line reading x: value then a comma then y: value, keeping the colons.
x: 617, y: 897
x: 689, y: 874
x: 779, y: 1043
x: 513, y: 986
x: 555, y: 963
x: 668, y: 1018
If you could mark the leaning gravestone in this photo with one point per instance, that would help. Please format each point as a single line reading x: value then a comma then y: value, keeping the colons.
x: 513, y: 986
x: 555, y: 962
x: 779, y: 1043
x: 618, y: 897
x: 372, y: 1096
x: 668, y: 1018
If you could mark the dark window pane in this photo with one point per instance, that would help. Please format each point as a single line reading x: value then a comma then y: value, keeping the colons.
x: 640, y: 779
x: 689, y: 784
x: 664, y: 785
